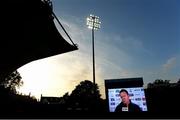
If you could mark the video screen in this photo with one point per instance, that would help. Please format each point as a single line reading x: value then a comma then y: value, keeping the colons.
x: 136, y: 95
x: 125, y: 94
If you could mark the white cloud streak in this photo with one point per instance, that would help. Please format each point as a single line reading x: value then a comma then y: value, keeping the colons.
x: 170, y: 63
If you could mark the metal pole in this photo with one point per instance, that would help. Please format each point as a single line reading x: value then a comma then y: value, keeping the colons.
x: 94, y: 24
x: 93, y: 52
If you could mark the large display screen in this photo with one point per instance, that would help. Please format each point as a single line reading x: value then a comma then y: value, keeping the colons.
x: 137, y: 96
x: 133, y: 93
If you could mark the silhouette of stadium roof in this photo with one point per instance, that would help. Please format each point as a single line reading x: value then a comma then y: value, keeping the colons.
x: 29, y: 33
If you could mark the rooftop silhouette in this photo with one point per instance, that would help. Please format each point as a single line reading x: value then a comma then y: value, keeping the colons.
x: 28, y: 34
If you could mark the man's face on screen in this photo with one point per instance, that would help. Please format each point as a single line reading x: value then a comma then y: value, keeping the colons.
x: 125, y: 97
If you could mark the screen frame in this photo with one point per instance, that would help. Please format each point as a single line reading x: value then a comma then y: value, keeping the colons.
x: 122, y: 83
x: 137, y: 96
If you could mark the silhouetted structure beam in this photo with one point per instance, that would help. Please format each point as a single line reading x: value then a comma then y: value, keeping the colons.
x: 28, y: 33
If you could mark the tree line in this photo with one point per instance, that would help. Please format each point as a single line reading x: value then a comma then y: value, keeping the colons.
x: 85, y: 97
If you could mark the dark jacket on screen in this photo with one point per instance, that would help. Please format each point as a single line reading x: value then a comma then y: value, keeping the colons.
x: 131, y: 107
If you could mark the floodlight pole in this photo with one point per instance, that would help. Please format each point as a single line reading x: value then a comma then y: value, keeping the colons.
x: 94, y: 24
x: 93, y: 52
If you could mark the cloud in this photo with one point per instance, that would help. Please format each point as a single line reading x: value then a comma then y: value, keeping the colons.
x: 170, y: 63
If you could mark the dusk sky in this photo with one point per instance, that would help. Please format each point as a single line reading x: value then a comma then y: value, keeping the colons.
x: 137, y: 38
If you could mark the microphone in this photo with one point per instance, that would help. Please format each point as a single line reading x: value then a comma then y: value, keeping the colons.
x: 124, y: 108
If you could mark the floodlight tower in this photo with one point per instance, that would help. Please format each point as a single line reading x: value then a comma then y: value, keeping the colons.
x: 94, y: 24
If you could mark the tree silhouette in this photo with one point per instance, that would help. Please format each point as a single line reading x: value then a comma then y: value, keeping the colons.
x: 159, y: 83
x: 85, y: 95
x: 66, y: 96
x: 12, y: 81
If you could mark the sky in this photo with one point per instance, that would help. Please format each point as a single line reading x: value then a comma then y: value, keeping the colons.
x: 137, y: 38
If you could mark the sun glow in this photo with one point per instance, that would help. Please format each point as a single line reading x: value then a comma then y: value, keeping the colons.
x: 40, y: 77
x: 54, y: 76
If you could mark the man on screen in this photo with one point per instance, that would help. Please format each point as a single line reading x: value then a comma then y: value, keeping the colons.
x: 126, y: 104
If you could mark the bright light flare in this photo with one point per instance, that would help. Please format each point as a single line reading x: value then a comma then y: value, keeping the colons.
x: 93, y: 22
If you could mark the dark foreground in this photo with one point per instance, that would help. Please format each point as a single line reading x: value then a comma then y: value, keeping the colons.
x: 57, y: 111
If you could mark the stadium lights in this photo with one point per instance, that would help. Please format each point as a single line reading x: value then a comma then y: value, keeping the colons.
x: 94, y: 24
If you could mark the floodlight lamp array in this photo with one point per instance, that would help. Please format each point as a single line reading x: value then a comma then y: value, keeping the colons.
x: 93, y: 22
